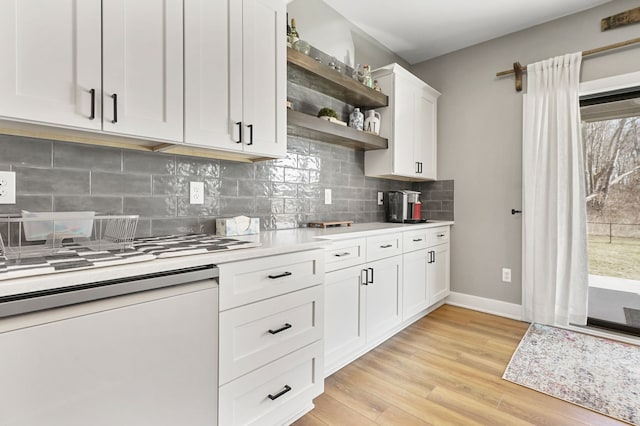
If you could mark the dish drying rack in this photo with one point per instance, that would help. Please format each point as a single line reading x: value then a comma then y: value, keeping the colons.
x: 42, y: 234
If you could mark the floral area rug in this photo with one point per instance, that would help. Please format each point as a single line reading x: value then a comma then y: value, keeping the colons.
x: 600, y: 374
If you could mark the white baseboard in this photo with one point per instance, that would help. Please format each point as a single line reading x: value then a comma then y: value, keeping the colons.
x: 482, y: 304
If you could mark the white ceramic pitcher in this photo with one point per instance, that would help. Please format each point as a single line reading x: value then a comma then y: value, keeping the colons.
x: 372, y: 122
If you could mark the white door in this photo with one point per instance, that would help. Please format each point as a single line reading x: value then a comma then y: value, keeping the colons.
x: 344, y: 316
x: 50, y: 54
x: 264, y: 76
x: 207, y: 84
x: 384, y: 295
x: 405, y: 163
x: 438, y: 273
x: 425, y: 134
x: 143, y: 68
x: 415, y: 295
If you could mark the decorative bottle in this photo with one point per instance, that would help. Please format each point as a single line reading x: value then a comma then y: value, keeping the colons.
x: 294, y: 32
x: 368, y: 80
x: 289, y: 44
x: 356, y: 119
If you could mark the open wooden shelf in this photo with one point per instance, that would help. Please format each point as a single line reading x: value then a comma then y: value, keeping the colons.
x: 310, y: 127
x: 304, y: 70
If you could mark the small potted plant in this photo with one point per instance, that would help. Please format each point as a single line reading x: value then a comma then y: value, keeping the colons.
x: 330, y: 115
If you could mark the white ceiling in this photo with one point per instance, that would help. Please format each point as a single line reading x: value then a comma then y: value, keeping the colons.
x: 417, y: 30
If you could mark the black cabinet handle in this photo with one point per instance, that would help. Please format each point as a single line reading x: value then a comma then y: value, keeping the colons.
x: 370, y: 269
x: 346, y: 253
x: 386, y: 246
x: 286, y: 389
x: 417, y: 167
x: 93, y: 104
x: 514, y: 211
x: 283, y: 328
x: 365, y: 281
x: 284, y: 274
x: 239, y: 124
x: 115, y: 108
x: 440, y: 235
x: 430, y: 257
x: 250, y: 126
x: 417, y: 240
x: 420, y: 167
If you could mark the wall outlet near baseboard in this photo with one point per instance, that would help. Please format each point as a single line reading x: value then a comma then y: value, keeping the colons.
x: 7, y: 187
x: 327, y: 196
x: 506, y: 275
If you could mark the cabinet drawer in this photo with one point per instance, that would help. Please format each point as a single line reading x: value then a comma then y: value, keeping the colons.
x: 438, y: 235
x: 248, y: 281
x: 256, y: 334
x: 343, y: 254
x: 275, y: 392
x: 383, y: 246
x: 415, y: 240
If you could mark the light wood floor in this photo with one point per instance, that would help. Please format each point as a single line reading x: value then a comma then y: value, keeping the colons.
x: 444, y: 369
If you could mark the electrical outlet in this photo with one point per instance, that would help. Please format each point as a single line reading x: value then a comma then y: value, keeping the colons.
x: 196, y: 192
x: 7, y: 187
x: 506, y: 275
x: 380, y: 198
x: 327, y: 196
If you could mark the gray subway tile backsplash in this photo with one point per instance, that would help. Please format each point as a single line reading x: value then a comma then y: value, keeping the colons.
x: 78, y: 156
x: 283, y: 193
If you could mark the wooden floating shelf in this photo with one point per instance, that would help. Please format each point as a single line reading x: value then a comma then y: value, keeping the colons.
x: 306, y: 71
x: 310, y: 127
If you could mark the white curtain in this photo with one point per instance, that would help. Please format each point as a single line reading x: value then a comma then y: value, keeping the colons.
x: 554, y: 259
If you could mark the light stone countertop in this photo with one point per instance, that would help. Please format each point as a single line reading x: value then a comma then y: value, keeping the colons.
x: 272, y: 243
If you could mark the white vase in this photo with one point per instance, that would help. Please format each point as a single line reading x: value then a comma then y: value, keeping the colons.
x: 356, y: 119
x: 372, y: 122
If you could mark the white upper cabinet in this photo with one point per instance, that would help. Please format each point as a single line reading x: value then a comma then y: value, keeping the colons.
x: 143, y: 66
x: 51, y: 62
x: 409, y: 122
x: 235, y: 75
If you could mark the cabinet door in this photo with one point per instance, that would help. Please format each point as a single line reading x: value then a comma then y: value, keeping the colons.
x: 384, y: 296
x: 51, y: 61
x: 143, y: 67
x: 415, y: 294
x: 404, y: 162
x: 438, y: 274
x: 208, y: 120
x: 344, y: 317
x: 264, y: 77
x: 425, y: 150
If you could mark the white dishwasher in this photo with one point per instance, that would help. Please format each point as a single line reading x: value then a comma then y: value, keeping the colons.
x: 141, y: 351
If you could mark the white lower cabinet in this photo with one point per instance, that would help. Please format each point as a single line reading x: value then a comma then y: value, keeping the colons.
x: 399, y: 278
x: 344, y: 315
x: 416, y: 294
x: 271, y: 338
x: 383, y: 297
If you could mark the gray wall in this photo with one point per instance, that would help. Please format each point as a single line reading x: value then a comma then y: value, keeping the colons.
x: 480, y: 133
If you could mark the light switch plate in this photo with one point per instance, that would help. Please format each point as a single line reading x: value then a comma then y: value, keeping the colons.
x: 7, y: 187
x: 196, y: 192
x: 380, y: 198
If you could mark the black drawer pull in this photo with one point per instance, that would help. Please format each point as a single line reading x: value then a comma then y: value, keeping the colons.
x: 284, y: 274
x: 283, y: 328
x: 239, y: 124
x: 115, y: 108
x: 440, y: 235
x: 417, y: 240
x: 93, y: 104
x: 250, y: 126
x: 386, y: 246
x: 286, y: 389
x: 346, y: 253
